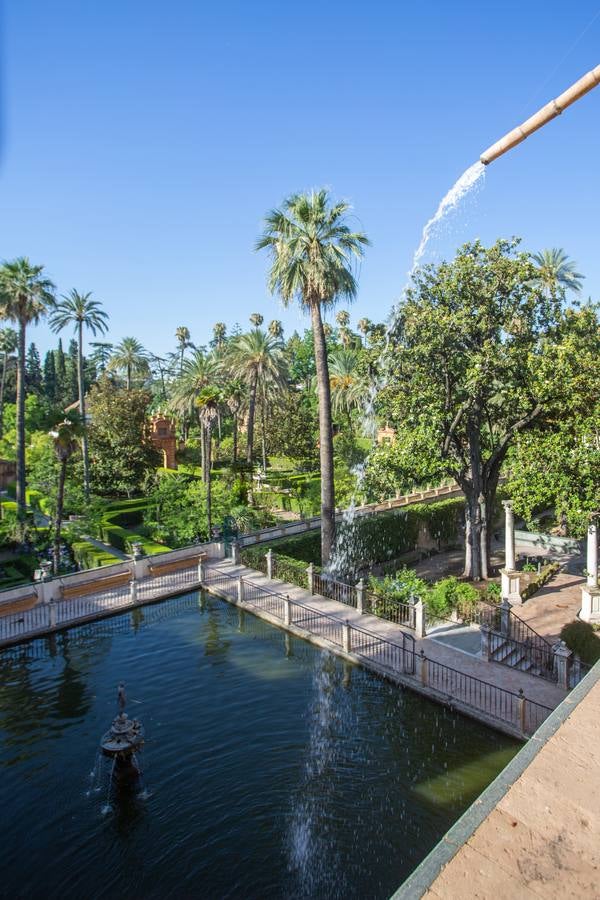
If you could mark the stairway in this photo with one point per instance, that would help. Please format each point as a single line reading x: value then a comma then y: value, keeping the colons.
x: 513, y: 654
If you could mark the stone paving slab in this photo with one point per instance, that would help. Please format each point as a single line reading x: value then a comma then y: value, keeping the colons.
x: 534, y: 688
x: 554, y: 605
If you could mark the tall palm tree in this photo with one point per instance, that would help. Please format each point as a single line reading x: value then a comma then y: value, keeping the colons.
x: 256, y: 319
x: 219, y: 334
x: 183, y: 339
x: 275, y: 329
x: 199, y: 371
x: 555, y: 272
x: 235, y: 395
x: 207, y: 403
x: 8, y: 344
x: 343, y: 318
x: 82, y: 312
x: 364, y: 325
x: 26, y: 295
x: 257, y: 358
x: 65, y: 438
x: 131, y: 358
x: 311, y: 247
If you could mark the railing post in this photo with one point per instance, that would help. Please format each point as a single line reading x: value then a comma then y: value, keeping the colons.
x: 360, y: 597
x: 563, y: 658
x: 310, y: 574
x: 240, y: 589
x: 51, y: 613
x: 505, y: 608
x: 235, y: 553
x: 200, y: 570
x: 346, y: 637
x: 419, y: 618
x: 269, y: 556
x: 287, y: 610
x: 133, y: 591
x: 423, y: 664
x: 486, y: 642
x: 522, y: 711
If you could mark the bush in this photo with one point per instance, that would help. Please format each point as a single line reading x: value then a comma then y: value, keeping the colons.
x: 492, y: 592
x: 88, y: 556
x: 540, y: 580
x: 581, y: 638
x: 387, y: 593
x: 451, y: 594
x: 286, y: 568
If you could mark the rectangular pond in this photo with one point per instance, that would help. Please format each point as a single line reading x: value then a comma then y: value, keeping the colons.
x: 272, y: 768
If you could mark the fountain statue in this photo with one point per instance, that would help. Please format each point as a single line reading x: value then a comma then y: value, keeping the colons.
x: 122, y: 743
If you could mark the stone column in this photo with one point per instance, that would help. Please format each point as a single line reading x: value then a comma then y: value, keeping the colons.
x: 419, y: 618
x: 360, y: 597
x: 52, y: 613
x: 200, y: 570
x: 269, y: 556
x: 562, y: 662
x: 310, y: 573
x: 346, y: 637
x: 240, y: 589
x: 235, y: 553
x: 133, y: 595
x: 511, y: 588
x: 590, y: 592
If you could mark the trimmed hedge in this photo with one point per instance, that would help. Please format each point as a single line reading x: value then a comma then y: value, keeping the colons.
x: 286, y: 568
x: 88, y: 556
x: 114, y: 531
x: 540, y: 580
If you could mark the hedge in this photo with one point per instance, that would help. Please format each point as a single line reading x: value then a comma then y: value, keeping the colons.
x: 286, y: 567
x: 124, y: 513
x: 581, y: 638
x: 88, y: 556
x: 540, y: 580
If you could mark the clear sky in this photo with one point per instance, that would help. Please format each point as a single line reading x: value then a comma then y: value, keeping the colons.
x: 142, y: 141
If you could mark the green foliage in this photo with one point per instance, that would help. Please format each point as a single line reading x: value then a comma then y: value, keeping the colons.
x: 450, y: 594
x: 293, y: 427
x: 288, y: 569
x: 88, y: 556
x: 121, y: 451
x: 387, y: 593
x: 177, y: 510
x: 581, y: 638
x: 540, y: 580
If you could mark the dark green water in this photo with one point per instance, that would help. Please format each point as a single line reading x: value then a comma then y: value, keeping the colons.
x: 274, y: 769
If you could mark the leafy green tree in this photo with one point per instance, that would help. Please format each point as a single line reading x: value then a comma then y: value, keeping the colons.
x: 25, y: 297
x: 311, y: 248
x: 131, y: 359
x: 257, y: 359
x: 101, y: 355
x: 8, y: 345
x: 235, y: 395
x: 72, y: 367
x: 80, y: 311
x: 62, y: 381
x: 555, y: 273
x: 478, y: 355
x: 33, y: 370
x: 294, y: 428
x: 199, y: 371
x: 121, y: 450
x: 65, y: 438
x: 50, y: 377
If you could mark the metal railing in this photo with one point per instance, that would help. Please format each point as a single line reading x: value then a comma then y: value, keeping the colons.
x: 392, y: 610
x: 328, y: 587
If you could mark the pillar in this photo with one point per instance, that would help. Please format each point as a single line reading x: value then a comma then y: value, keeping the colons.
x: 200, y: 570
x: 269, y: 556
x: 287, y: 611
x: 590, y: 592
x: 235, y: 553
x: 505, y: 618
x: 511, y: 588
x: 346, y: 637
x: 240, y: 589
x: 310, y: 574
x: 360, y: 597
x: 133, y: 595
x: 419, y: 618
x: 486, y: 642
x: 52, y: 613
x: 563, y: 658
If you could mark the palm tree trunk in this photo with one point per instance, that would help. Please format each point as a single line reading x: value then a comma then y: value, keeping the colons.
x: 251, y: 411
x: 207, y: 432
x: 325, y: 435
x: 264, y: 442
x: 59, y: 513
x: 20, y: 423
x: 2, y: 386
x: 235, y: 438
x: 84, y: 440
x: 128, y: 382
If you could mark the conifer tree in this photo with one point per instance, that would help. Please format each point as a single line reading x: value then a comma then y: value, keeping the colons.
x: 50, y: 376
x: 33, y: 370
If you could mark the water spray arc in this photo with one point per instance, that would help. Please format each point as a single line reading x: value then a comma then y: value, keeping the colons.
x: 544, y: 115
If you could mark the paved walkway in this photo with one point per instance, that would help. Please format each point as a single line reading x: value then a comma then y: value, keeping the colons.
x: 554, y: 605
x: 534, y: 688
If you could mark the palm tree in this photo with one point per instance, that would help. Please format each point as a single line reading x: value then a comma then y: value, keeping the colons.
x: 25, y: 296
x: 183, y: 339
x: 8, y: 345
x: 65, y: 438
x: 80, y: 311
x: 257, y: 359
x: 275, y: 329
x: 311, y: 248
x: 199, y: 371
x: 347, y: 389
x: 131, y: 358
x: 207, y: 403
x: 235, y: 396
x: 219, y: 334
x: 364, y: 325
x: 256, y: 319
x: 343, y: 318
x: 555, y: 272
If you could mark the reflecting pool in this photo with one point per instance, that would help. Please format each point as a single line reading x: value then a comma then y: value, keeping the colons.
x: 273, y: 768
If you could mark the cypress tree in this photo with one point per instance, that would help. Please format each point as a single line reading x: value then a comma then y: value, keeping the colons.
x: 33, y: 370
x: 73, y: 386
x: 50, y: 377
x: 62, y: 384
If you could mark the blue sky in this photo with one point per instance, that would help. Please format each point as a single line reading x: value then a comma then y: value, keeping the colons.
x: 143, y: 141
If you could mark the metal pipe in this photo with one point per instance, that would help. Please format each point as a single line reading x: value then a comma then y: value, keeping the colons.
x: 543, y: 115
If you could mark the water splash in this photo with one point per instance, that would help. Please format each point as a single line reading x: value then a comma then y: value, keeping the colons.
x: 452, y: 199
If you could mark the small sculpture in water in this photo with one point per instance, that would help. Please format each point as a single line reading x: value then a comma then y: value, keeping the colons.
x: 122, y: 743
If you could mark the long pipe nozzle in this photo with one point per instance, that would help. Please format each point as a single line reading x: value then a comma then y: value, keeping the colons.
x: 550, y: 111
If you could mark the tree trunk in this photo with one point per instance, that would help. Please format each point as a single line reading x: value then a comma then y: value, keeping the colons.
x: 207, y: 432
x: 2, y: 386
x: 84, y: 440
x: 251, y: 411
x: 59, y: 513
x: 325, y: 435
x: 20, y: 423
x: 235, y: 438
x: 128, y: 381
x: 264, y: 442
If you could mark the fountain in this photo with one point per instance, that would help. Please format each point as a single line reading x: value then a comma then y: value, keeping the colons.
x: 122, y: 743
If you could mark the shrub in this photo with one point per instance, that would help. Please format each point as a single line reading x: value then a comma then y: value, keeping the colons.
x: 386, y: 594
x: 581, y: 638
x: 88, y: 556
x: 492, y: 592
x: 540, y: 580
x: 451, y: 594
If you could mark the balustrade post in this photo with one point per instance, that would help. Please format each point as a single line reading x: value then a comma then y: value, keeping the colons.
x: 346, y: 637
x: 240, y: 589
x: 423, y: 665
x: 360, y: 597
x: 419, y: 618
x: 200, y: 570
x: 235, y: 553
x: 310, y: 574
x: 522, y: 711
x: 269, y: 556
x: 505, y: 608
x: 133, y: 591
x: 287, y: 611
x: 52, y: 613
x: 486, y: 642
x: 563, y: 659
